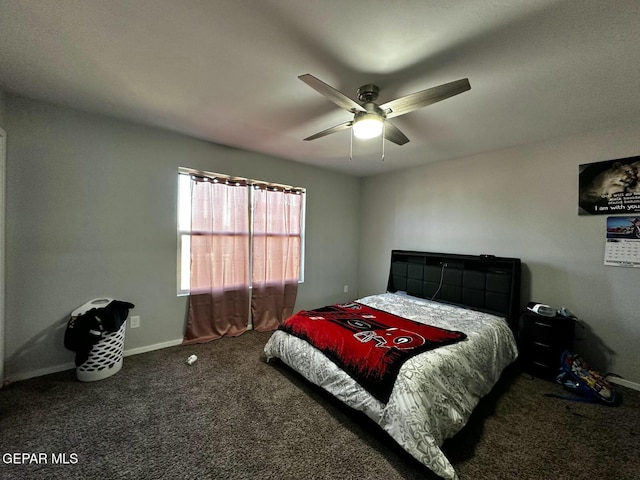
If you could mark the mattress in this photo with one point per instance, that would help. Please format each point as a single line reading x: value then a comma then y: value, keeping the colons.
x: 435, y: 391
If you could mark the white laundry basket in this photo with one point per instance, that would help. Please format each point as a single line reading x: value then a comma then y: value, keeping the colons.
x: 105, y: 358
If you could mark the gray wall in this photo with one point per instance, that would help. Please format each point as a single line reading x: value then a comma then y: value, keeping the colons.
x: 91, y: 212
x: 520, y: 202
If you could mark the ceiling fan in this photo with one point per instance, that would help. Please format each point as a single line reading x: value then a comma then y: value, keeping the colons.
x: 370, y: 119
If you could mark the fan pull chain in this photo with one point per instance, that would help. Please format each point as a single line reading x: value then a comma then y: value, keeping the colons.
x: 351, y: 146
x: 383, y: 125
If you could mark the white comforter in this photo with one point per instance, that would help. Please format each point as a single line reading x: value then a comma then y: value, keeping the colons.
x: 435, y: 392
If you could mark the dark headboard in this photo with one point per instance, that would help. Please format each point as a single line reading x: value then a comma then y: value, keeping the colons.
x: 483, y: 282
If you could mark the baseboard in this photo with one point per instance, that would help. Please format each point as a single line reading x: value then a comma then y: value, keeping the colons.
x: 151, y: 348
x: 70, y: 365
x: 624, y: 383
x: 40, y: 372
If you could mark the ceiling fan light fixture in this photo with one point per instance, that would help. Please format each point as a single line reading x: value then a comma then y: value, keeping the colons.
x: 370, y: 119
x: 368, y: 125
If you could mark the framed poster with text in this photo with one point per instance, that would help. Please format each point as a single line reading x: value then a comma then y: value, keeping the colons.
x: 609, y: 187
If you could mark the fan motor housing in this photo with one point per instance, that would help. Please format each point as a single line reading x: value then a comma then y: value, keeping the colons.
x: 368, y: 93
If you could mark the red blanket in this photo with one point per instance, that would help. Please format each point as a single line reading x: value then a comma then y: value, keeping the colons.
x: 368, y: 344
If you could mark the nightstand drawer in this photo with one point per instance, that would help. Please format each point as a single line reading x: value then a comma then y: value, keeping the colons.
x: 545, y: 330
x: 542, y: 354
x: 542, y: 370
x: 541, y: 349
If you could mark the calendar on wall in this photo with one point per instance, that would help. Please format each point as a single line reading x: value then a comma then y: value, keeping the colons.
x: 622, y: 248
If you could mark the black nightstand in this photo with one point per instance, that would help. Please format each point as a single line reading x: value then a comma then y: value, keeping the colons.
x: 542, y: 341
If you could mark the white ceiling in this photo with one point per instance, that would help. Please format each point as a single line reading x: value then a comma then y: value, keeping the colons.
x: 226, y: 70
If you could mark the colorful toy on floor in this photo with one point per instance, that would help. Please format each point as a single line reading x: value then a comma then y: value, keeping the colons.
x: 576, y: 376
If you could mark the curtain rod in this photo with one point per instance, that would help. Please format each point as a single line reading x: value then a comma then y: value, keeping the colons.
x: 246, y: 181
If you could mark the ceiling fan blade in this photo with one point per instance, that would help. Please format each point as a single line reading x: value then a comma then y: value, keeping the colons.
x: 331, y: 93
x: 417, y: 100
x: 329, y: 131
x: 393, y: 134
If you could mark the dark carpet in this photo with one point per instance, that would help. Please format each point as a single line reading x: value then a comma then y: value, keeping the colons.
x: 233, y: 416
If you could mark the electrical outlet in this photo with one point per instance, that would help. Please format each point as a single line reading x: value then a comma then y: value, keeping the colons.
x: 135, y: 322
x: 346, y: 289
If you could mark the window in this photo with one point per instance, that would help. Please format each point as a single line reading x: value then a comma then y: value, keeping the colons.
x: 184, y: 233
x: 264, y: 235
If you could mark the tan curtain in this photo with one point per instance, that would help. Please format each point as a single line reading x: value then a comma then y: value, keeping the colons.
x: 219, y: 300
x: 276, y: 256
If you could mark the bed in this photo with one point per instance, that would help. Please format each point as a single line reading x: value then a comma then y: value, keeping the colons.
x: 435, y: 391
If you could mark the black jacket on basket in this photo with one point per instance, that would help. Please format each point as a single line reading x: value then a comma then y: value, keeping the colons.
x: 85, y: 330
